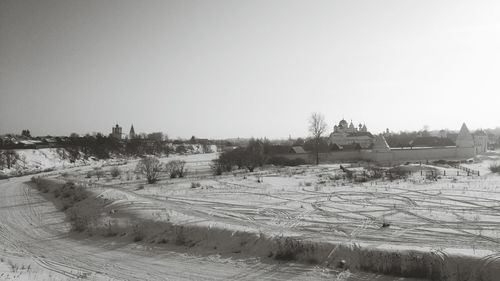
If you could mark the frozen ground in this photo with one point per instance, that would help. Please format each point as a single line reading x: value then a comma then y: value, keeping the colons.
x: 456, y: 213
x: 450, y: 216
x: 36, y: 244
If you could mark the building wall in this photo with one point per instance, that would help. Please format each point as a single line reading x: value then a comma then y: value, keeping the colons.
x: 423, y: 154
x: 390, y: 157
x: 327, y: 157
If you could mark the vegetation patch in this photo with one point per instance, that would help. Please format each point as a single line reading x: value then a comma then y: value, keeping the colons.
x: 495, y: 168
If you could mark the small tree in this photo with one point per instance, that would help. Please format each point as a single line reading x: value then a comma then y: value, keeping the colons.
x: 317, y: 127
x: 99, y: 173
x: 150, y: 167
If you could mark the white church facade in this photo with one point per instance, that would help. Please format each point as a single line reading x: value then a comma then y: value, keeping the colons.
x: 347, y: 134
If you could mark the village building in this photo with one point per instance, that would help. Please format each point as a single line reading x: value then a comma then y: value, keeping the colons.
x: 116, y: 132
x: 345, y: 134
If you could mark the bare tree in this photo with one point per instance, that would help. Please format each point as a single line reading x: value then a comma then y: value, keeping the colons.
x: 8, y: 158
x: 99, y: 173
x: 317, y: 127
x: 150, y: 167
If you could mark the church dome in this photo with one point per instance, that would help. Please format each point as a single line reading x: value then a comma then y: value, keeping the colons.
x: 343, y: 123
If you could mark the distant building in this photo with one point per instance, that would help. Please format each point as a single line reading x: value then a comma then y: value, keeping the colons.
x: 116, y: 132
x: 131, y: 134
x: 480, y: 141
x: 348, y: 134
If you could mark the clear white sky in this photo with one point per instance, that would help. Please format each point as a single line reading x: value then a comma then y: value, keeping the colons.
x: 247, y: 68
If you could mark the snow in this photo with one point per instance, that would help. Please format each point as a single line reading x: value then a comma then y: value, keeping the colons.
x: 36, y: 244
x: 455, y: 216
x: 37, y: 160
x: 449, y: 227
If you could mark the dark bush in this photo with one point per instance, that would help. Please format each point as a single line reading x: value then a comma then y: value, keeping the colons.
x: 397, y: 173
x: 115, y: 172
x: 283, y: 161
x: 495, y: 168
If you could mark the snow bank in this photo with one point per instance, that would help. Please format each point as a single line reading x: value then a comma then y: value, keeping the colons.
x: 31, y: 161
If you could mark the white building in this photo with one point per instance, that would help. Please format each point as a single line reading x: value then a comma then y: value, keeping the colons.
x: 116, y: 132
x: 347, y: 134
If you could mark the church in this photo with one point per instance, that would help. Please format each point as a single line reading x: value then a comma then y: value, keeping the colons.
x: 347, y: 134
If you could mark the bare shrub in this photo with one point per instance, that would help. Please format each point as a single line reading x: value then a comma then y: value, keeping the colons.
x: 150, y: 167
x: 375, y: 172
x: 115, y: 172
x: 289, y: 249
x: 137, y: 233
x: 217, y: 166
x: 397, y: 173
x: 176, y: 168
x: 79, y: 222
x: 495, y: 168
x: 99, y: 173
x: 180, y: 237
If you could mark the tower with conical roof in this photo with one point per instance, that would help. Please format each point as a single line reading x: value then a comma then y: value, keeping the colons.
x: 132, y: 134
x: 464, y: 138
x: 465, y: 143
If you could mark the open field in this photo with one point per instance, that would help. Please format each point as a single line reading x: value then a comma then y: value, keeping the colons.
x: 453, y: 214
x: 336, y: 222
x: 37, y: 244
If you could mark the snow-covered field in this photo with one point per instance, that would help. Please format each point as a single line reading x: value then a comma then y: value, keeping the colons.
x: 36, y: 244
x: 455, y: 215
x: 454, y: 212
x: 454, y: 220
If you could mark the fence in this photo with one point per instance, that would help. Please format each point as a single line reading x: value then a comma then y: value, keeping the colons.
x: 469, y: 171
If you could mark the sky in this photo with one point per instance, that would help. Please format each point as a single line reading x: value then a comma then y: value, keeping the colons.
x: 225, y: 68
